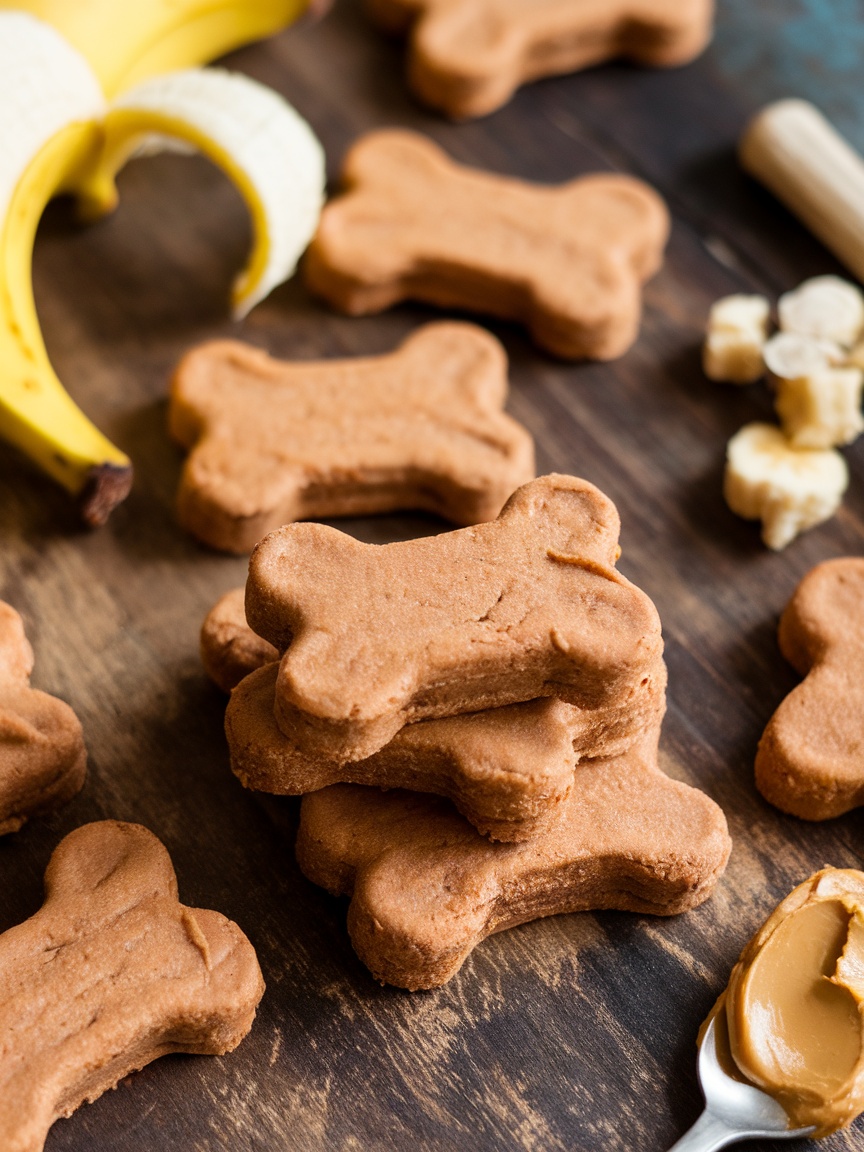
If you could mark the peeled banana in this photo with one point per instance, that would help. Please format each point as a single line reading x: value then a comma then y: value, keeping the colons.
x: 59, y: 134
x: 127, y: 42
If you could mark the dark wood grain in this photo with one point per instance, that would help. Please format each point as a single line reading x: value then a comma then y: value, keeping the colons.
x: 575, y: 1033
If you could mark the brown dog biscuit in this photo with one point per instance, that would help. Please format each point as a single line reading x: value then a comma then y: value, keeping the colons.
x: 377, y: 636
x: 567, y: 261
x: 811, y: 756
x: 468, y: 57
x: 43, y: 761
x: 111, y: 973
x: 426, y: 888
x: 273, y: 442
x: 506, y: 769
x: 230, y: 650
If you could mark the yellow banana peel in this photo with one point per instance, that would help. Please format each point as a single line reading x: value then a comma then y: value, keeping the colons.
x: 59, y: 134
x: 129, y: 41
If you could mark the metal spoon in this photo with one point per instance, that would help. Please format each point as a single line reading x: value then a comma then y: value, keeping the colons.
x: 733, y: 1110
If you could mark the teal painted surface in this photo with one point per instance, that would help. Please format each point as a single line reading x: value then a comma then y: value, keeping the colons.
x: 808, y: 48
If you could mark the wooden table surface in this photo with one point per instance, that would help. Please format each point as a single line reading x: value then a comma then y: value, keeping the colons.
x: 571, y: 1033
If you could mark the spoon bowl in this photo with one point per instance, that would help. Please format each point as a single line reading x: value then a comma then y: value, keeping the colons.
x: 734, y: 1111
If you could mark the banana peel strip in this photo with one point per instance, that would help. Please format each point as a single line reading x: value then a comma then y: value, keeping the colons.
x: 254, y: 136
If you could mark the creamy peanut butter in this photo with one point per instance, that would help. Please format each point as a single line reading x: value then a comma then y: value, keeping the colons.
x: 794, y: 1003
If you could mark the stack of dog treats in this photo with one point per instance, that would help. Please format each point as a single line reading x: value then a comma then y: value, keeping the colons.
x: 505, y: 685
x: 503, y: 681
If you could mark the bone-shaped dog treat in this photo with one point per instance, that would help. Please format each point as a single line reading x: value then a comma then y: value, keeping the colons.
x: 426, y: 888
x: 377, y: 636
x: 111, y: 973
x: 811, y: 757
x: 230, y: 650
x: 42, y: 756
x: 273, y: 442
x: 469, y: 56
x: 507, y: 769
x: 567, y: 261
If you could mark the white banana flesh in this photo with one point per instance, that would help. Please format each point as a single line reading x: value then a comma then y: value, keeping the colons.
x: 823, y: 409
x: 737, y: 331
x: 824, y: 308
x: 788, y: 489
x: 790, y: 356
x: 45, y: 86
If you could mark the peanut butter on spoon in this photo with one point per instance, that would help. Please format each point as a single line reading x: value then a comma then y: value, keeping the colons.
x: 794, y: 1003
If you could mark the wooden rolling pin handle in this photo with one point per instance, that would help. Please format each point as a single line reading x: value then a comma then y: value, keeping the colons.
x: 792, y: 149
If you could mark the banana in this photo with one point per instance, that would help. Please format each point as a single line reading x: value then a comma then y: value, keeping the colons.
x: 822, y: 409
x: 789, y: 490
x: 790, y: 356
x: 737, y: 331
x: 128, y: 42
x: 856, y: 356
x: 50, y: 109
x: 58, y: 134
x: 824, y: 308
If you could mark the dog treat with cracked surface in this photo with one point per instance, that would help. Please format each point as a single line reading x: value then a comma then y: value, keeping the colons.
x: 568, y: 261
x: 507, y: 770
x: 378, y: 636
x: 272, y: 442
x: 425, y: 888
x: 111, y: 973
x: 810, y: 761
x: 43, y: 760
x: 468, y: 57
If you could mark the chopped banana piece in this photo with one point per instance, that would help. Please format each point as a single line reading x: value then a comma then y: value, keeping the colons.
x: 826, y: 308
x: 788, y: 489
x: 737, y: 330
x: 740, y: 313
x: 733, y: 357
x: 789, y: 356
x: 822, y: 410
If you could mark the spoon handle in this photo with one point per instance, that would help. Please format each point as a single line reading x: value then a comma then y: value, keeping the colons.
x: 707, y: 1135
